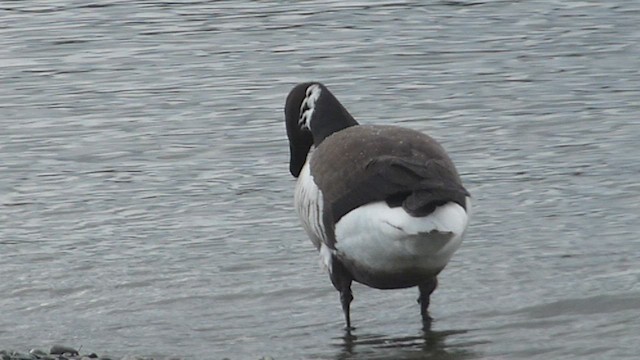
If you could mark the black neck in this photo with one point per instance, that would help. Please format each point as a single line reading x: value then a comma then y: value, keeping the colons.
x: 329, y: 117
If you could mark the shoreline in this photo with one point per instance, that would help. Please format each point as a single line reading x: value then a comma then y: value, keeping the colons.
x: 61, y: 352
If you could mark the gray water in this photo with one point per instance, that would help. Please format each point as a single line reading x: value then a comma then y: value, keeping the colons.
x: 146, y: 203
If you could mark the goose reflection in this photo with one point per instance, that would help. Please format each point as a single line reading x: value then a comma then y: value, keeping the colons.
x: 428, y: 345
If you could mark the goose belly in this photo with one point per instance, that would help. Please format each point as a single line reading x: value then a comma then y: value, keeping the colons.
x: 386, y: 247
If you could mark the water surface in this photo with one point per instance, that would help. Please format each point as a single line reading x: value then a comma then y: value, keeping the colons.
x: 145, y: 199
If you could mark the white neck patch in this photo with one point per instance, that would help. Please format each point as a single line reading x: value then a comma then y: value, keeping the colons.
x: 308, y: 106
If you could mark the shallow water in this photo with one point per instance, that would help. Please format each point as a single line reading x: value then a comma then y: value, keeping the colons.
x: 145, y: 199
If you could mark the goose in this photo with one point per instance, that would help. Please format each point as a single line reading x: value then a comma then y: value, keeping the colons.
x: 384, y: 205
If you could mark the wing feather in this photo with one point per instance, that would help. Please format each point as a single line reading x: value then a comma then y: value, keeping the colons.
x: 364, y: 164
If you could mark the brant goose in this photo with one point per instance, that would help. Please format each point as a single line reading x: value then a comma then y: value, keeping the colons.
x: 383, y: 205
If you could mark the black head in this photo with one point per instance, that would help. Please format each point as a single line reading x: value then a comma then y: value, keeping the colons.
x: 312, y: 113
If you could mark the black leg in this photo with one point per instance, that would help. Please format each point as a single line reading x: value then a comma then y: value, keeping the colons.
x: 426, y: 289
x: 345, y: 298
x: 341, y: 279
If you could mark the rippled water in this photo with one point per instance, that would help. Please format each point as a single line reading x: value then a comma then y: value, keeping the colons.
x: 145, y: 199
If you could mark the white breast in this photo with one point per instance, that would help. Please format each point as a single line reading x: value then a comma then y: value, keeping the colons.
x: 308, y: 204
x: 381, y: 238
